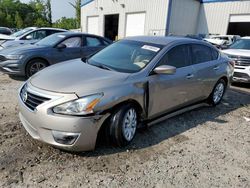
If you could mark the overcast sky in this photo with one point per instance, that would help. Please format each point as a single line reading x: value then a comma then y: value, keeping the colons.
x: 60, y: 8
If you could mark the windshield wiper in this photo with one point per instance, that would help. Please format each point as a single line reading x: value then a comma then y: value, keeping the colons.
x: 102, y: 66
x: 99, y: 65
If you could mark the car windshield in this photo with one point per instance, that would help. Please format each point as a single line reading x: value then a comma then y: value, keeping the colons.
x: 22, y: 32
x: 51, y: 40
x: 125, y: 56
x: 241, y: 44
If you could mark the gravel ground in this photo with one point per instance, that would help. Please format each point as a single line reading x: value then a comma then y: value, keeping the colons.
x: 207, y: 147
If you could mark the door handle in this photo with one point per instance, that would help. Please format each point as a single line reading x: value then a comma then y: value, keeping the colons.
x: 189, y: 76
x: 216, y: 67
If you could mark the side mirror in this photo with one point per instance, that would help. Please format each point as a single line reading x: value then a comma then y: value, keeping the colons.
x: 165, y: 69
x: 29, y: 37
x: 84, y: 59
x: 61, y: 46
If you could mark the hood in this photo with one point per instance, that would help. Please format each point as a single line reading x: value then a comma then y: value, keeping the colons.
x: 237, y: 52
x: 20, y: 49
x: 77, y: 77
x: 6, y: 37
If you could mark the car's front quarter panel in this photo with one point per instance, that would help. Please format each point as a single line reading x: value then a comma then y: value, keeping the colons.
x: 133, y: 91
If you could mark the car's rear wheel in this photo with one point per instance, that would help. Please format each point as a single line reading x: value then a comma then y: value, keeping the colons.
x: 123, y: 125
x: 217, y: 93
x: 35, y: 66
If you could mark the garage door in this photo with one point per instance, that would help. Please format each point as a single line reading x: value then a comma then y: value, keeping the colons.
x: 135, y: 24
x: 239, y: 25
x: 92, y: 25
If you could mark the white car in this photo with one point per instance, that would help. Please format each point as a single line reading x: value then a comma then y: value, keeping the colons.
x: 28, y: 35
x: 220, y: 40
x: 240, y: 53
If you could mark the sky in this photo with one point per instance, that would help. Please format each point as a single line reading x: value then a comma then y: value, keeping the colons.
x: 60, y: 8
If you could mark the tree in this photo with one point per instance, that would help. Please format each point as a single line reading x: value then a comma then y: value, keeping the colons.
x: 19, y: 20
x: 65, y: 23
x: 40, y: 13
x: 9, y: 20
x: 32, y: 14
x: 49, y: 12
x: 77, y: 6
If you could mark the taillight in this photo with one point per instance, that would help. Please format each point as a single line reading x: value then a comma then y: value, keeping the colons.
x: 232, y: 63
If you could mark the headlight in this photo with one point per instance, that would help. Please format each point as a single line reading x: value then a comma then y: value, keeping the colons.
x: 13, y: 57
x: 82, y: 106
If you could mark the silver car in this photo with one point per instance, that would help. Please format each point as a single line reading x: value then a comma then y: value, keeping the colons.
x: 29, y: 35
x: 129, y: 84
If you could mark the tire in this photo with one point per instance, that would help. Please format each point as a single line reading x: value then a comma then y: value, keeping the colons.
x: 35, y: 66
x: 217, y: 93
x: 123, y: 125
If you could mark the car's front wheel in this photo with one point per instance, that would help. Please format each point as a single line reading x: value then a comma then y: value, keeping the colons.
x: 35, y: 66
x: 217, y: 93
x: 123, y: 125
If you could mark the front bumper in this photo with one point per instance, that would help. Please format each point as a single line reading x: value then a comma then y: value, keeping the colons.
x: 242, y: 74
x: 12, y: 67
x: 41, y: 123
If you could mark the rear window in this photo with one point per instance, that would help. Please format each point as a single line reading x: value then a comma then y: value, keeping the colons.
x: 93, y: 42
x: 215, y: 54
x: 202, y: 53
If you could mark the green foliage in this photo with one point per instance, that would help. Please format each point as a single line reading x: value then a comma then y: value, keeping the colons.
x: 13, y: 13
x: 66, y: 23
x: 37, y: 13
x: 77, y: 7
x: 49, y: 12
x: 18, y: 20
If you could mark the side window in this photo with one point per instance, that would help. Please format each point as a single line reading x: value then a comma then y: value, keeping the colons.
x: 73, y: 42
x: 201, y: 53
x: 92, y: 42
x: 36, y: 35
x: 215, y: 54
x: 177, y: 57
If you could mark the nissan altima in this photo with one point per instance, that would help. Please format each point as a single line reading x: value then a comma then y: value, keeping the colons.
x: 129, y: 84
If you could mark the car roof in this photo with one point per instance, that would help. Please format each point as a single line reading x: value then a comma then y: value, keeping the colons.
x: 161, y: 40
x: 51, y: 28
x: 71, y: 33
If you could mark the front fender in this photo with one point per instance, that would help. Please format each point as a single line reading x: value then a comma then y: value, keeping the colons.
x: 119, y: 94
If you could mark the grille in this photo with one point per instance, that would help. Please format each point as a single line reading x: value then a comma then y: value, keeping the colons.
x: 242, y: 63
x: 31, y: 100
x: 241, y: 75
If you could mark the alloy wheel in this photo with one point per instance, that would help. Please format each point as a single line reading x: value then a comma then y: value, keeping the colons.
x: 129, y: 124
x: 218, y: 92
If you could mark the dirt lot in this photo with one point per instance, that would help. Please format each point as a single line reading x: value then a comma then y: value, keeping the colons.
x: 207, y: 147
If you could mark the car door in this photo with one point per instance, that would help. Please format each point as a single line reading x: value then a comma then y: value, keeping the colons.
x: 206, y: 64
x: 169, y: 92
x: 72, y: 51
x: 92, y: 45
x: 33, y: 37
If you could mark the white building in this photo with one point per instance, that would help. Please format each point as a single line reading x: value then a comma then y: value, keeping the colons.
x: 120, y: 18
